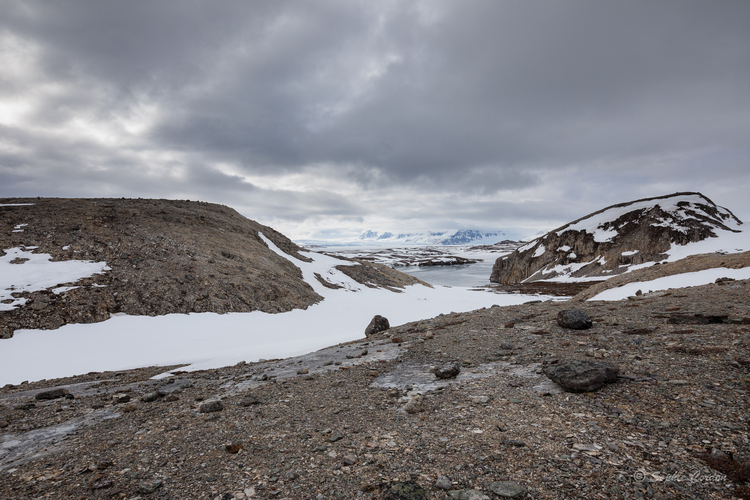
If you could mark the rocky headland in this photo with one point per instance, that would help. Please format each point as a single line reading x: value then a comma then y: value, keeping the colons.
x: 612, y: 240
x: 164, y: 256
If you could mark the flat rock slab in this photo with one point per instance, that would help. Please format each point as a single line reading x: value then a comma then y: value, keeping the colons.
x: 507, y: 489
x: 582, y: 376
x: 467, y: 495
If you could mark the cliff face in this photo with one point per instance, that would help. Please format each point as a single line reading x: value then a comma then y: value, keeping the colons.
x: 611, y: 240
x: 164, y: 256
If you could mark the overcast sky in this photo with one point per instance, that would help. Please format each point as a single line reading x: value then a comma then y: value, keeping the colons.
x: 331, y: 117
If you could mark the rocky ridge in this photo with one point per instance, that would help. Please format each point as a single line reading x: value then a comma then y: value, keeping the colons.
x: 164, y: 256
x: 608, y: 242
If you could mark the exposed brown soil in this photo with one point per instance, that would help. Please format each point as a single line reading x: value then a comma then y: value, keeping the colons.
x: 333, y: 424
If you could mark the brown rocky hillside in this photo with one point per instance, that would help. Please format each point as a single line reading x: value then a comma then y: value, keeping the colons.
x: 165, y: 256
x: 609, y: 241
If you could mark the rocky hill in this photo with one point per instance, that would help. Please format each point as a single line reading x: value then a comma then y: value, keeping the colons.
x: 162, y: 256
x: 617, y: 239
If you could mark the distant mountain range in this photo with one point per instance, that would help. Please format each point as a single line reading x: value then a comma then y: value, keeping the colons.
x: 448, y: 237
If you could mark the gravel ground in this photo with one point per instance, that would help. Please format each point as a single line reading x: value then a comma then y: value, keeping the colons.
x: 358, y: 420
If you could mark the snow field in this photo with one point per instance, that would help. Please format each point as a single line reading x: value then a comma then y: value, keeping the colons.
x: 209, y: 340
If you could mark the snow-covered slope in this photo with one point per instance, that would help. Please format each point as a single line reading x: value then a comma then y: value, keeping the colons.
x: 447, y: 237
x: 624, y: 237
x: 209, y: 340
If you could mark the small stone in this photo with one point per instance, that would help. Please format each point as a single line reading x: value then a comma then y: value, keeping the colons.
x: 147, y: 487
x: 303, y: 371
x: 415, y: 405
x: 507, y: 489
x: 443, y: 483
x: 100, y: 485
x: 130, y: 408
x: 575, y: 319
x: 211, y: 406
x: 152, y: 396
x: 120, y: 398
x: 407, y: 490
x: 249, y: 401
x: 479, y: 399
x: 334, y: 438
x: 172, y: 397
x: 233, y: 447
x: 514, y: 442
x: 447, y: 371
x: 4, y: 424
x: 377, y: 325
x: 349, y: 459
x: 53, y: 394
x: 396, y: 340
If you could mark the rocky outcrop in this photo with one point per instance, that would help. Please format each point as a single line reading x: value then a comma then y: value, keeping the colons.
x: 609, y: 241
x: 164, y: 256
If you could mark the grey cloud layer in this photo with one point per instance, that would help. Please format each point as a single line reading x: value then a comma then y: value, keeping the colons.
x: 521, y: 100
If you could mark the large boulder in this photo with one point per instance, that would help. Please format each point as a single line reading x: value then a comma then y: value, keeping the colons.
x: 574, y: 319
x: 582, y: 376
x: 377, y: 325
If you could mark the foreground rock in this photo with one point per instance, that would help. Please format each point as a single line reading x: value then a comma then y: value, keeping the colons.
x: 575, y: 319
x: 377, y: 325
x: 582, y: 376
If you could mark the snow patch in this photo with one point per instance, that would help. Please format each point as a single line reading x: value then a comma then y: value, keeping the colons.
x: 676, y: 281
x: 24, y: 271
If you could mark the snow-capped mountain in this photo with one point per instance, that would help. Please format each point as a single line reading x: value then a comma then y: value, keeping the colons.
x: 448, y: 237
x: 623, y: 237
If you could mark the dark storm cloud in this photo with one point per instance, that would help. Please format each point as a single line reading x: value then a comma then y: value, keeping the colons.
x: 540, y: 102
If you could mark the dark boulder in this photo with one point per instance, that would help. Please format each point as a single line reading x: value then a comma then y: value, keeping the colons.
x: 575, y: 319
x: 210, y: 407
x: 407, y: 490
x: 53, y: 394
x: 377, y: 325
x: 447, y: 371
x: 582, y: 376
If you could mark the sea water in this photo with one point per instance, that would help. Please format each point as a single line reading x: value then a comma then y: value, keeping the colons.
x: 467, y: 275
